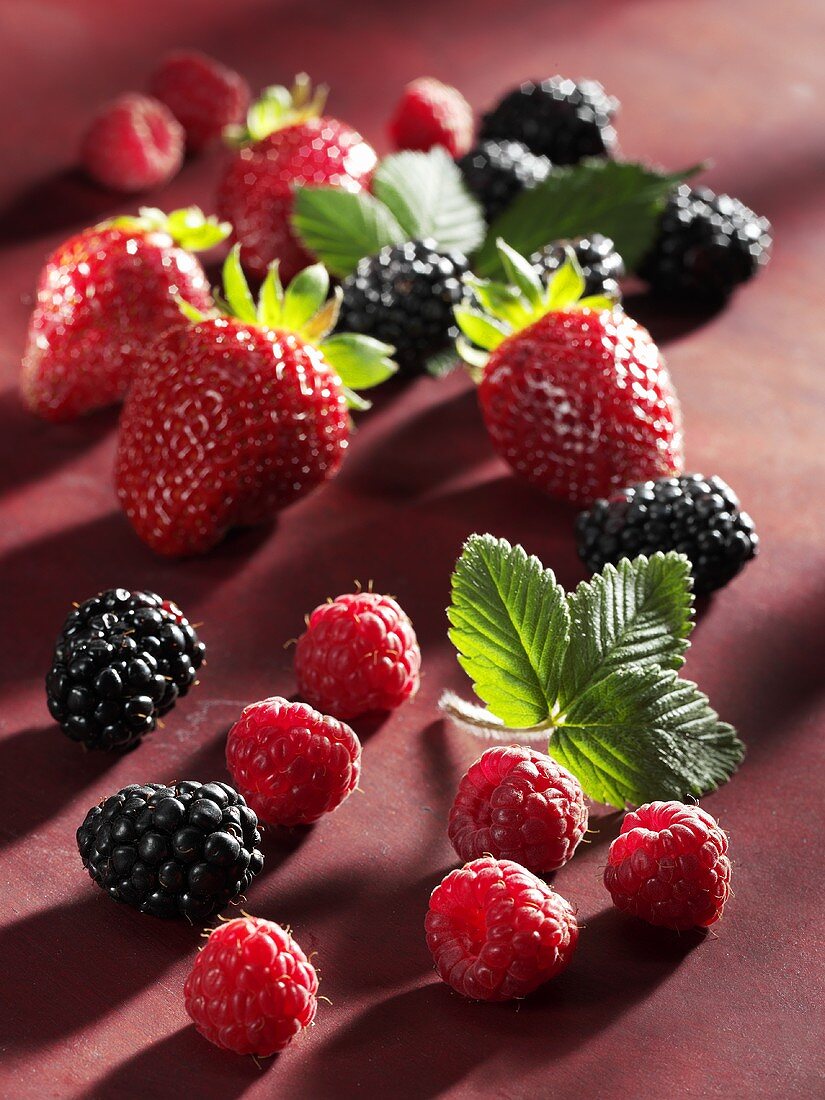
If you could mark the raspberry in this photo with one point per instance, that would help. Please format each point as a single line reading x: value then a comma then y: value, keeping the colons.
x: 252, y: 989
x: 292, y: 764
x: 520, y: 805
x: 358, y: 654
x: 203, y: 95
x: 184, y: 849
x: 121, y: 661
x: 496, y: 932
x: 431, y: 113
x: 669, y: 866
x: 133, y: 144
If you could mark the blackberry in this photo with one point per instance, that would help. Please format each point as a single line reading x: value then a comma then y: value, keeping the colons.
x: 180, y: 850
x: 694, y: 515
x: 601, y: 264
x: 706, y: 245
x: 497, y: 171
x: 404, y: 296
x: 556, y: 118
x: 122, y: 659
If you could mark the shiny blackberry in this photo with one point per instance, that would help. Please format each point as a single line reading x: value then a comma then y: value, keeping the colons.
x: 122, y: 659
x: 601, y: 264
x: 557, y: 118
x: 404, y: 296
x: 184, y: 849
x: 496, y: 172
x: 696, y: 516
x: 706, y: 245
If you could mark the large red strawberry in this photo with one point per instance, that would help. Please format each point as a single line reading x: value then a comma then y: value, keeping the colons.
x: 234, y: 416
x: 574, y: 393
x: 287, y: 143
x: 102, y: 296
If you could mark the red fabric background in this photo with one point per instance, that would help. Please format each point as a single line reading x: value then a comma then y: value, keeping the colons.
x: 92, y: 993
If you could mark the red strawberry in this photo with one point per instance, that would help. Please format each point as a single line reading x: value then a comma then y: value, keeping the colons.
x: 288, y: 145
x: 575, y: 394
x: 431, y: 113
x: 102, y: 296
x: 233, y: 417
x: 133, y: 144
x: 203, y: 95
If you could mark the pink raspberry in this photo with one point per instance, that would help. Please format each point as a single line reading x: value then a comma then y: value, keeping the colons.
x: 293, y: 764
x: 496, y: 932
x: 203, y: 95
x: 358, y: 654
x: 669, y: 866
x: 431, y: 113
x: 252, y: 989
x: 133, y: 144
x: 518, y: 804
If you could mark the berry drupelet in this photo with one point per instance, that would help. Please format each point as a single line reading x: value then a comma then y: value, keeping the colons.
x: 404, y: 296
x: 557, y: 118
x: 122, y: 659
x: 182, y: 850
x: 498, y: 171
x: 696, y: 516
x: 601, y: 264
x: 706, y: 245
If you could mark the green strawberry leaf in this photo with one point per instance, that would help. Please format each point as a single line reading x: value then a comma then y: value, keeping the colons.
x: 340, y: 227
x: 304, y: 297
x: 642, y: 733
x: 359, y: 361
x: 510, y: 626
x: 271, y: 299
x: 236, y: 289
x: 427, y: 195
x: 485, y: 332
x: 442, y: 363
x: 621, y: 200
x: 637, y: 613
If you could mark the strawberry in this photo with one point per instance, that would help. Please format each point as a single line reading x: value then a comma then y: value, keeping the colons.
x: 203, y: 95
x: 234, y: 416
x: 102, y: 295
x: 574, y: 393
x: 286, y: 143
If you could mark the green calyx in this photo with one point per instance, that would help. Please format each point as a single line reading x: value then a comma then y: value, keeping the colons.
x: 305, y: 308
x: 189, y: 227
x: 278, y: 108
x: 492, y: 311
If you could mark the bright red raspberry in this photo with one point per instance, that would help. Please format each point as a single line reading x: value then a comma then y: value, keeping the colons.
x: 292, y: 764
x: 496, y: 932
x: 518, y: 804
x: 133, y: 144
x: 358, y: 654
x: 202, y: 94
x: 581, y: 403
x: 431, y: 113
x: 669, y: 866
x: 252, y: 989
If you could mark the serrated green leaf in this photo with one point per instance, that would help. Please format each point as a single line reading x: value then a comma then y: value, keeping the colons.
x: 304, y: 296
x: 642, y: 733
x: 236, y: 289
x: 427, y: 195
x: 359, y: 361
x: 621, y: 200
x: 510, y: 626
x: 639, y: 612
x: 271, y: 298
x: 341, y: 226
x: 482, y: 331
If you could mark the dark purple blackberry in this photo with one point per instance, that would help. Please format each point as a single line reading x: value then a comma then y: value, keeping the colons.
x: 497, y: 171
x: 706, y: 245
x: 601, y: 264
x: 122, y: 659
x: 557, y: 118
x: 696, y: 516
x: 182, y: 850
x: 404, y: 296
